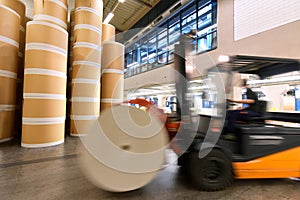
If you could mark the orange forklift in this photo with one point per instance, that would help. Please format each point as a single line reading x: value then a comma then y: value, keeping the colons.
x: 260, y: 150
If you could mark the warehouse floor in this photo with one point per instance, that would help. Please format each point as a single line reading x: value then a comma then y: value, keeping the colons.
x: 54, y: 173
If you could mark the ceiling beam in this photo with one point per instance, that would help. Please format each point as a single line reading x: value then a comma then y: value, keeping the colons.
x: 144, y: 3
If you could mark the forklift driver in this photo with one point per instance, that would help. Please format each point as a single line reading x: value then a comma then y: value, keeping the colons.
x: 252, y: 110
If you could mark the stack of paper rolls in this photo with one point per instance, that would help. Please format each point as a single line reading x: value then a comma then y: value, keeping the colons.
x: 86, y: 68
x: 109, y: 32
x: 112, y: 79
x: 9, y: 48
x: 44, y: 106
x: 54, y: 11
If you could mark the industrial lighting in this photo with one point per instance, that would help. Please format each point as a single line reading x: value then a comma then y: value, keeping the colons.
x: 223, y: 58
x: 121, y: 1
x: 108, y: 18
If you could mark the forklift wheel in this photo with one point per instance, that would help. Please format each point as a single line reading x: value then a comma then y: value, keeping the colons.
x: 211, y: 173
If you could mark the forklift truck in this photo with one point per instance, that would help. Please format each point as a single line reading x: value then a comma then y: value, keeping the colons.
x: 260, y: 150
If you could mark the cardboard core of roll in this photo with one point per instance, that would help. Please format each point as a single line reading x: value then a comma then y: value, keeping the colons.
x: 10, y: 26
x: 44, y: 108
x: 6, y: 124
x: 112, y: 86
x: 46, y: 33
x: 86, y: 90
x: 46, y: 59
x: 85, y: 108
x: 8, y: 89
x: 112, y: 56
x: 46, y: 84
x: 42, y: 134
x: 108, y: 33
x: 8, y: 57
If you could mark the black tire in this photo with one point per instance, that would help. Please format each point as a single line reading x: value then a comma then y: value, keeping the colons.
x: 211, y: 173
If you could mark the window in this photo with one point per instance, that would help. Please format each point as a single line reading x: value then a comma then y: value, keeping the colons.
x: 156, y: 48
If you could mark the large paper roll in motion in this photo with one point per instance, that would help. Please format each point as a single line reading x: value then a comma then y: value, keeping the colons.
x: 83, y: 51
x: 86, y: 88
x: 86, y: 70
x: 124, y: 149
x: 95, y: 4
x: 108, y: 33
x: 53, y: 11
x: 112, y: 79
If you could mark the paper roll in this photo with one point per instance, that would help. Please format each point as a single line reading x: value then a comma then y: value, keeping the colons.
x: 47, y: 59
x: 17, y: 6
x: 46, y: 84
x: 112, y: 56
x: 85, y: 70
x: 126, y: 169
x: 87, y: 33
x: 8, y: 57
x: 42, y: 135
x: 6, y: 124
x: 112, y: 85
x: 86, y: 53
x: 85, y: 108
x: 8, y: 89
x: 89, y: 16
x: 80, y: 127
x: 95, y: 4
x: 46, y: 33
x: 108, y: 33
x: 43, y: 108
x: 10, y: 26
x: 52, y: 8
x: 82, y: 89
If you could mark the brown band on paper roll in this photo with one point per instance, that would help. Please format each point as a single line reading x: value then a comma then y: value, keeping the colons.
x: 81, y: 89
x: 108, y: 33
x: 8, y: 57
x: 8, y: 88
x: 112, y: 85
x: 52, y: 8
x: 43, y: 108
x: 95, y: 4
x: 46, y: 59
x: 80, y: 127
x: 87, y: 33
x: 85, y: 108
x: 46, y: 84
x: 47, y: 33
x: 85, y: 70
x: 17, y: 6
x: 112, y: 56
x: 42, y: 135
x: 104, y: 105
x: 6, y: 125
x: 10, y: 26
x: 84, y: 15
x: 86, y: 53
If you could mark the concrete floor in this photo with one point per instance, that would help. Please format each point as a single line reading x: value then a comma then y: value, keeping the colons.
x: 53, y: 173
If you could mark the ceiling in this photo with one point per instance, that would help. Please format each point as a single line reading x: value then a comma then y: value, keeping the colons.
x: 127, y: 13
